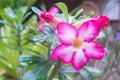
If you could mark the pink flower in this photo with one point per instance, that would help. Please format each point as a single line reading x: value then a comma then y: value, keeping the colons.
x: 54, y: 10
x: 101, y: 20
x: 48, y: 18
x: 77, y: 45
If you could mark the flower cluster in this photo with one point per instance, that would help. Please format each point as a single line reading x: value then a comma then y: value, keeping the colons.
x: 77, y: 41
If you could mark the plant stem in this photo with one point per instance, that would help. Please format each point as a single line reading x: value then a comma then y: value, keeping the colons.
x: 54, y: 71
x: 19, y: 39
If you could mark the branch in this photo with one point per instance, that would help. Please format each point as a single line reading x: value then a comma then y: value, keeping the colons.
x: 54, y: 71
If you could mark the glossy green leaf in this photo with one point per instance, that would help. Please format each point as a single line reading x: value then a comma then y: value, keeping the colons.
x: 36, y: 10
x: 88, y: 15
x: 26, y: 15
x: 78, y: 12
x: 93, y: 71
x: 68, y: 70
x: 85, y: 74
x: 62, y: 76
x: 40, y: 38
x: 64, y: 9
x: 27, y: 60
x: 39, y: 72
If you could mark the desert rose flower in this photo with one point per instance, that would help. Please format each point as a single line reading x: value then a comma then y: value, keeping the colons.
x: 48, y: 18
x: 101, y: 20
x: 78, y: 45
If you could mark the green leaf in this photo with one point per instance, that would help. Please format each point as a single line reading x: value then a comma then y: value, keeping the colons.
x: 39, y: 72
x: 93, y: 71
x: 36, y: 10
x: 8, y: 15
x: 78, y: 13
x: 62, y: 76
x: 85, y: 74
x: 6, y: 60
x: 7, y: 32
x: 64, y: 9
x: 41, y: 48
x: 20, y: 13
x: 26, y: 60
x: 8, y: 68
x: 3, y: 22
x: 82, y: 17
x: 42, y: 6
x: 10, y: 12
x: 68, y: 70
x: 26, y: 16
x: 90, y: 14
x: 5, y: 64
x: 40, y: 38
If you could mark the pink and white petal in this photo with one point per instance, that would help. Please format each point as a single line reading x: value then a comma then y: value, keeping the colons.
x: 66, y: 32
x: 93, y: 50
x: 79, y: 60
x: 62, y: 52
x: 88, y: 31
x: 54, y: 10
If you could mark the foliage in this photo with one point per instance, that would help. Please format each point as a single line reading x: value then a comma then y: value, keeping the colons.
x: 64, y: 9
x: 15, y: 37
x: 15, y: 3
x: 22, y: 46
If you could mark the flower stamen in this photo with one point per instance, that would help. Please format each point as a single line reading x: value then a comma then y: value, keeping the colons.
x: 77, y: 43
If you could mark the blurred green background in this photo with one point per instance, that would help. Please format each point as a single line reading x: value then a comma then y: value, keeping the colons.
x: 15, y: 37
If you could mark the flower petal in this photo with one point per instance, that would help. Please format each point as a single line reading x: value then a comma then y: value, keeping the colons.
x: 54, y: 10
x: 66, y: 32
x: 62, y: 52
x: 93, y: 50
x: 102, y: 20
x: 46, y: 16
x: 79, y: 60
x: 88, y: 30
